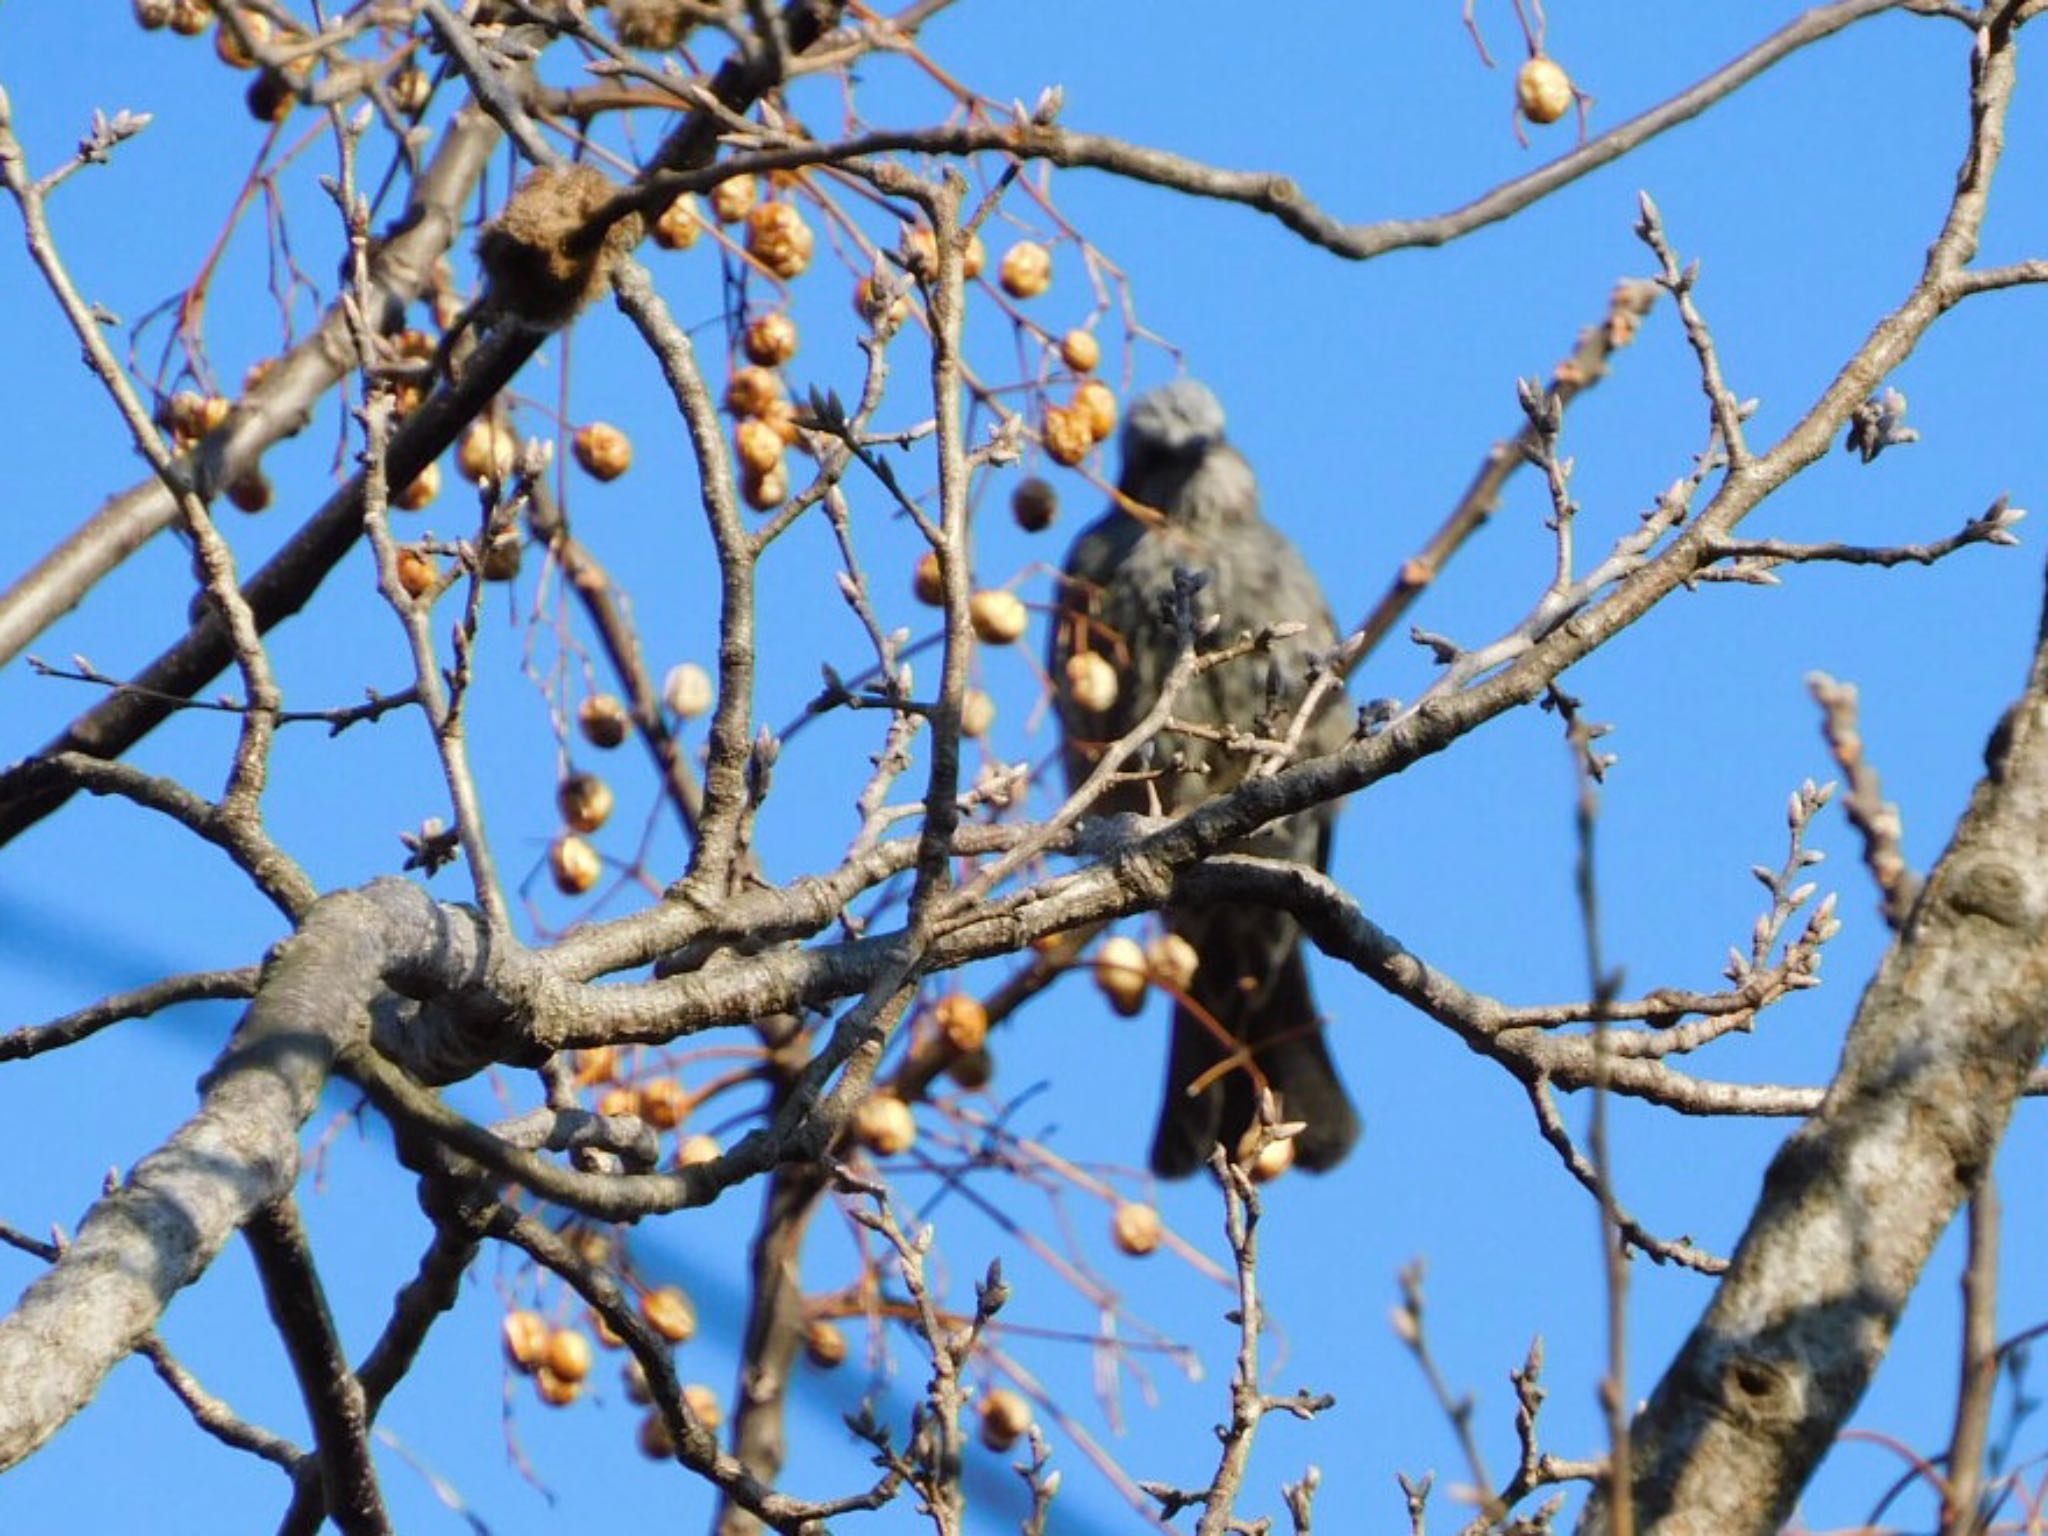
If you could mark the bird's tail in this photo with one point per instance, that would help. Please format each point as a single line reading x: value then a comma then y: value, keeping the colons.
x: 1280, y: 1024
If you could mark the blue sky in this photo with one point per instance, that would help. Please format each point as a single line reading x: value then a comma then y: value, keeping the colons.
x: 1365, y: 395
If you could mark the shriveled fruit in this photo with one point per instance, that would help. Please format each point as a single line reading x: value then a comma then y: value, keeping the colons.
x: 669, y: 1313
x: 1136, y: 1229
x: 1068, y: 433
x: 734, y: 198
x: 604, y: 452
x: 824, y: 1344
x: 779, y: 239
x: 999, y: 617
x: 927, y: 581
x: 679, y: 224
x: 770, y: 341
x: 1091, y: 680
x: 977, y: 712
x: 526, y: 1340
x: 488, y: 453
x: 752, y: 390
x: 962, y: 1020
x: 1172, y: 961
x: 885, y: 1125
x: 1120, y: 974
x: 417, y: 571
x: 1005, y: 1418
x: 693, y: 1150
x: 569, y: 1353
x: 1542, y: 89
x: 1096, y: 401
x: 687, y: 690
x: 1080, y: 351
x: 1026, y: 271
x: 663, y: 1103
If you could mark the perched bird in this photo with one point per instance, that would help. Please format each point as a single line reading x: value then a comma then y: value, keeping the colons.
x: 1118, y: 602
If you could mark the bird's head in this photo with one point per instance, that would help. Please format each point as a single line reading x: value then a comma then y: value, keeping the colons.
x: 1177, y: 462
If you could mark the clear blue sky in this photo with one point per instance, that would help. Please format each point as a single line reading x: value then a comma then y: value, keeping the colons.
x: 1365, y: 395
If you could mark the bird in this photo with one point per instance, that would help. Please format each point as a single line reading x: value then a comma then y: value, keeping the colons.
x: 1186, y: 520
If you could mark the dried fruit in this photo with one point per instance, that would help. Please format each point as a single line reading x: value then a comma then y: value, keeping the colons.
x: 679, y: 224
x: 766, y: 491
x: 569, y: 1354
x: 189, y: 18
x: 880, y: 303
x: 1068, y: 434
x: 655, y: 1442
x: 620, y: 1101
x: 1005, y: 1417
x: 696, y: 1149
x: 1096, y: 401
x: 602, y: 1328
x: 574, y: 864
x: 928, y: 581
x: 411, y: 89
x: 770, y: 341
x: 1275, y: 1160
x: 884, y: 1125
x: 779, y: 239
x: 603, y: 719
x: 597, y: 1064
x: 824, y: 1344
x: 999, y: 617
x: 656, y: 25
x: 734, y: 198
x: 556, y: 1391
x: 1026, y: 271
x: 634, y: 1377
x: 585, y: 801
x: 251, y: 493
x: 1172, y: 961
x: 1542, y: 89
x: 488, y: 453
x: 500, y: 560
x: 604, y: 451
x: 962, y: 1020
x: 1091, y: 680
x: 1120, y: 974
x: 972, y: 1070
x: 687, y: 690
x: 426, y: 485
x: 752, y: 390
x: 417, y: 571
x: 669, y: 1313
x: 1034, y: 504
x: 1080, y: 351
x: 229, y: 48
x: 703, y: 1405
x: 152, y: 14
x: 526, y: 1340
x: 977, y: 712
x: 757, y: 445
x: 1136, y: 1229
x: 663, y: 1103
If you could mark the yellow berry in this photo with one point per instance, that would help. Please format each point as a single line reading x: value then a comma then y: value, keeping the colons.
x: 1068, y: 433
x: 1080, y: 351
x: 669, y: 1313
x: 1172, y: 961
x: 526, y: 1340
x: 574, y: 864
x: 734, y: 198
x: 679, y: 225
x: 1096, y: 401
